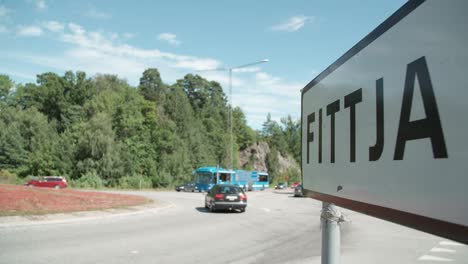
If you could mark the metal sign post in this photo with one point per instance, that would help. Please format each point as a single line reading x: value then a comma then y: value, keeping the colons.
x: 330, y: 222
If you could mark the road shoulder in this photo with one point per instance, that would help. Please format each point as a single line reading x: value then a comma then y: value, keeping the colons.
x: 28, y: 220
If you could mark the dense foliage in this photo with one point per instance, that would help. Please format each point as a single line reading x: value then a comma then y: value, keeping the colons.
x: 100, y: 131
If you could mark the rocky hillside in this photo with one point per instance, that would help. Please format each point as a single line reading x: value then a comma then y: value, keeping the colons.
x: 255, y: 158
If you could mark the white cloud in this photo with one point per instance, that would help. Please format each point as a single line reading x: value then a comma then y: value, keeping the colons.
x: 41, y: 4
x: 29, y: 31
x: 53, y: 26
x: 197, y: 63
x: 255, y: 91
x: 169, y: 38
x: 76, y: 29
x: 248, y: 69
x: 293, y: 24
x: 128, y: 35
x: 222, y: 77
x: 4, y: 11
x: 93, y: 13
x: 98, y: 52
x: 4, y: 18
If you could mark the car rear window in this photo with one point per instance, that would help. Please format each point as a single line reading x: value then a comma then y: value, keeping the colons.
x: 229, y: 190
x: 53, y: 179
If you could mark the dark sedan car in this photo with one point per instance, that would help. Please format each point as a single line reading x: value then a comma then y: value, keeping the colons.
x: 180, y: 187
x: 280, y: 186
x: 190, y: 187
x: 227, y: 197
x: 298, y: 191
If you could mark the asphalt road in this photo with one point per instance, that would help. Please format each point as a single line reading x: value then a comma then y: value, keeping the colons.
x: 276, y: 228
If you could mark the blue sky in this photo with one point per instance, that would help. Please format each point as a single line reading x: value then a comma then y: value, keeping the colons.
x: 300, y: 39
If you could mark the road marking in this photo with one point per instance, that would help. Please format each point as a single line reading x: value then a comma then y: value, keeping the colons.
x: 266, y: 210
x: 450, y: 243
x: 135, y: 252
x: 434, y: 258
x: 437, y: 249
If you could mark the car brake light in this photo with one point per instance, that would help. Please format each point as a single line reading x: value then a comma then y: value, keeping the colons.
x: 242, y: 197
x: 219, y: 196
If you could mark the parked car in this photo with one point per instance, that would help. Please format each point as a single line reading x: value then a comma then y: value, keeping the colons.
x: 298, y: 191
x: 180, y: 187
x: 280, y: 186
x: 226, y: 196
x: 295, y: 184
x: 56, y: 182
x: 190, y: 187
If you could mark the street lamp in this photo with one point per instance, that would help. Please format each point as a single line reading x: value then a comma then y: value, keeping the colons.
x: 230, y: 102
x: 230, y: 69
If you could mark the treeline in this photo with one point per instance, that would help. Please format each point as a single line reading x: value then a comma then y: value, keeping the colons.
x: 100, y: 131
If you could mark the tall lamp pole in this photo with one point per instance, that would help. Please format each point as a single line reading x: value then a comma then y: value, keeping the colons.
x: 230, y: 103
x: 230, y: 69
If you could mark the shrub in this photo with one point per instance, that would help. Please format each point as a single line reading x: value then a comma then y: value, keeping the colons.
x: 135, y: 182
x: 89, y: 180
x: 294, y: 174
x: 7, y: 177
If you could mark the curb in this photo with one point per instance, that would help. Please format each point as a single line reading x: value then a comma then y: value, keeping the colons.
x: 62, y: 218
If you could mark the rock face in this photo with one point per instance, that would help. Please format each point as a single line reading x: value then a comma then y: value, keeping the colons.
x: 254, y: 158
x: 255, y: 155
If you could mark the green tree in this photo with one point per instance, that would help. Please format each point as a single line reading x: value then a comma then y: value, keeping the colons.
x: 245, y: 136
x: 273, y: 134
x: 292, y: 135
x: 272, y: 163
x: 97, y: 150
x: 5, y: 86
x: 27, y: 142
x: 151, y: 85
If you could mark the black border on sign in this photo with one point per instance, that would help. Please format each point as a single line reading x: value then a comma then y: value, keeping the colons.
x: 376, y: 33
x: 430, y: 225
x: 434, y: 226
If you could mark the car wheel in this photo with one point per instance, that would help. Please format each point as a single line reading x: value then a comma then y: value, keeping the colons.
x: 206, y: 205
x: 242, y: 210
x: 212, y: 208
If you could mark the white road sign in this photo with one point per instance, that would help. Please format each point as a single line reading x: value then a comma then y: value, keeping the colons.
x: 385, y: 128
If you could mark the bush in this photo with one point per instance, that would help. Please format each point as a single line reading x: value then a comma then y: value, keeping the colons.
x: 135, y: 182
x: 7, y: 177
x: 89, y: 180
x: 294, y: 174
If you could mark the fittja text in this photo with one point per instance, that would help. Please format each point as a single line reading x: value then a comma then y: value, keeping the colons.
x: 428, y: 127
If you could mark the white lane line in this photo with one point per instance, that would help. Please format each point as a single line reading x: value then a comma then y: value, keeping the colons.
x: 434, y: 258
x: 437, y: 249
x: 450, y: 243
x: 266, y: 210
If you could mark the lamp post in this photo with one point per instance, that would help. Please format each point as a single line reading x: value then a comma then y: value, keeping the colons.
x: 230, y: 69
x: 230, y: 103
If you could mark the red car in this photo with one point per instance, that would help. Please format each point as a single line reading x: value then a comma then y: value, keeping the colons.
x: 49, y: 181
x: 294, y: 185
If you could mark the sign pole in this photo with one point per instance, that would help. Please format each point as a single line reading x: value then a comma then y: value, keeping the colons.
x: 330, y: 219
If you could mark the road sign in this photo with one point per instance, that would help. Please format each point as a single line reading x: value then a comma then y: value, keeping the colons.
x: 385, y: 127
